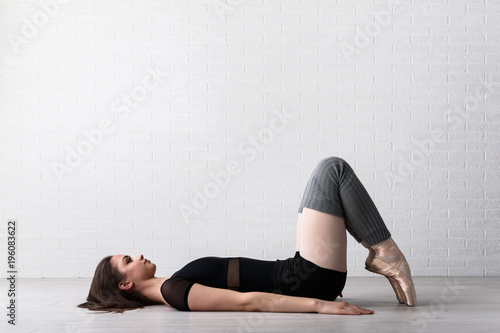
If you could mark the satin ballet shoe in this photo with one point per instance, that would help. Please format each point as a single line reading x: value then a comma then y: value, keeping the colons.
x: 398, y: 274
x: 395, y: 286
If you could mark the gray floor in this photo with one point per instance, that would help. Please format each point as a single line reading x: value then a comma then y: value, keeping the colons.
x: 445, y: 305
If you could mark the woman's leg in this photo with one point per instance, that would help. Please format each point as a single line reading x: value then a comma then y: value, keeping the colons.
x: 335, y: 200
x: 322, y: 239
x: 299, y: 226
x: 334, y: 188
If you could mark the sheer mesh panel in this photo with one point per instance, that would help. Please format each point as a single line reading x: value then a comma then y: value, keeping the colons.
x: 175, y: 292
x: 233, y: 274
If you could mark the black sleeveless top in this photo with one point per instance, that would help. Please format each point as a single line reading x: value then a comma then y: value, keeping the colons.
x: 293, y: 276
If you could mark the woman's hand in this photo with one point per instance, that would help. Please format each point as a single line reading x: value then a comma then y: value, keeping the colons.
x: 344, y: 308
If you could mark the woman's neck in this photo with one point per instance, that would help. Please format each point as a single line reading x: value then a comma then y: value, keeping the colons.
x: 151, y: 289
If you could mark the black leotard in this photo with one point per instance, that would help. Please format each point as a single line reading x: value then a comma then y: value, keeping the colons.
x: 294, y: 277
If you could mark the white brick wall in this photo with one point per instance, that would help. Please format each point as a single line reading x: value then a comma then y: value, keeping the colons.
x: 142, y: 102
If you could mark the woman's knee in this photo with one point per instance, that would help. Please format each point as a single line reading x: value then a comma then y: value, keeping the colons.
x: 333, y: 166
x: 333, y: 161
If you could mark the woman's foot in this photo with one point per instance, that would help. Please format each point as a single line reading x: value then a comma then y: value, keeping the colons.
x: 387, y: 259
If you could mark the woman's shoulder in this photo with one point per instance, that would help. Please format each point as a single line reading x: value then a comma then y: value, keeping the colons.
x: 174, y: 291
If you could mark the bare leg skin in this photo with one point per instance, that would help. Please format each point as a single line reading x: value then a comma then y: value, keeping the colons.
x: 299, y: 224
x: 321, y: 239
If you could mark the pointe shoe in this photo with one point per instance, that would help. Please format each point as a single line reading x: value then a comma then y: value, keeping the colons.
x: 398, y: 274
x: 395, y: 286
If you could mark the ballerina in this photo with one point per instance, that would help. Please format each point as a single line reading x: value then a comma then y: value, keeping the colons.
x: 334, y: 201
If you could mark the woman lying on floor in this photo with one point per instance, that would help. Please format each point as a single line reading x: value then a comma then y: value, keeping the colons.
x: 334, y: 201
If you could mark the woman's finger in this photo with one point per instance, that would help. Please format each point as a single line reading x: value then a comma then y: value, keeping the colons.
x: 358, y: 310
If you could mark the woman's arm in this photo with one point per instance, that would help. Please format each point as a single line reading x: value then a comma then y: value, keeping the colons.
x: 203, y: 298
x: 282, y: 303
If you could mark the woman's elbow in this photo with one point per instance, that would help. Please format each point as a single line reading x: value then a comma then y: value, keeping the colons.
x: 247, y: 302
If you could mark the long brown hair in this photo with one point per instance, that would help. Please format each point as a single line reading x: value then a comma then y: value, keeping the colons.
x: 105, y: 295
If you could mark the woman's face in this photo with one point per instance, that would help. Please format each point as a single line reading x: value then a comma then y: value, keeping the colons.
x: 134, y: 269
